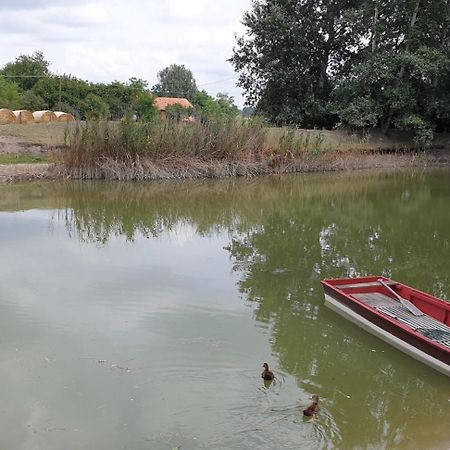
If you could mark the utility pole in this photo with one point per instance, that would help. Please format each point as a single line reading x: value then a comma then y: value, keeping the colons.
x: 59, y: 93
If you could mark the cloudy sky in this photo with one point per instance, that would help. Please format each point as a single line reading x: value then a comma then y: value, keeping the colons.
x: 105, y: 40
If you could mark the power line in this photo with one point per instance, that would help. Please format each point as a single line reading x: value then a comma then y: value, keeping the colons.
x: 217, y: 81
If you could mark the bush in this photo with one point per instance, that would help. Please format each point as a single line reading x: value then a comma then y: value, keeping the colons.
x: 423, y: 133
x: 95, y: 108
x: 9, y: 94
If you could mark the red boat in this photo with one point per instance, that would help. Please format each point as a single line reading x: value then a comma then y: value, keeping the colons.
x: 411, y: 320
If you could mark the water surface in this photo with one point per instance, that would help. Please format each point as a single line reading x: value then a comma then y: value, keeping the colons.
x: 137, y: 316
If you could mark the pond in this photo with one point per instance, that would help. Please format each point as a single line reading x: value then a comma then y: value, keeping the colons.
x: 138, y: 316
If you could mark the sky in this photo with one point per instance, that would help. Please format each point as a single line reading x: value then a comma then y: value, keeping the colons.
x: 106, y: 40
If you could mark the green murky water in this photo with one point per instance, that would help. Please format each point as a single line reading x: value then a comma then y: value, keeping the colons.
x: 137, y: 316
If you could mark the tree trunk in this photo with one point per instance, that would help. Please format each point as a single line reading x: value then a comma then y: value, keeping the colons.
x: 387, y: 121
x: 374, y: 29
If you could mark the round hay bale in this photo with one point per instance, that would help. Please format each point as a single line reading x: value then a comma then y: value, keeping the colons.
x: 23, y: 116
x: 64, y: 117
x: 44, y: 116
x: 7, y: 116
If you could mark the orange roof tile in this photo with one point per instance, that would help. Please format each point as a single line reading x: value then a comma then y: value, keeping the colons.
x: 163, y: 102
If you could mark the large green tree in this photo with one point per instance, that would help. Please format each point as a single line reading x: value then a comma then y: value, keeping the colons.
x: 358, y: 63
x: 401, y: 77
x: 175, y: 81
x: 26, y: 70
x: 286, y: 58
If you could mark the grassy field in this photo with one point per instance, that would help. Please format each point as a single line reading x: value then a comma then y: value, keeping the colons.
x: 49, y: 134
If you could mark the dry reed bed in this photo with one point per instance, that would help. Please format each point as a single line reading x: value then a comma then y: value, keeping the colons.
x: 208, y: 149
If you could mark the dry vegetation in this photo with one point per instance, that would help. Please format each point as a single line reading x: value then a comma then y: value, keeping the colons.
x: 220, y: 148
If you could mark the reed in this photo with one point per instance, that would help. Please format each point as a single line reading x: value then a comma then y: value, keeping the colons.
x: 217, y: 147
x: 225, y: 139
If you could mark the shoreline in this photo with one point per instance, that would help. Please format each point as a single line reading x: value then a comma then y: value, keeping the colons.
x: 33, y: 153
x: 183, y: 168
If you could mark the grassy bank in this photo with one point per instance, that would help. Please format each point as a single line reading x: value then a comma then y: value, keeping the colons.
x: 18, y: 158
x: 213, y: 148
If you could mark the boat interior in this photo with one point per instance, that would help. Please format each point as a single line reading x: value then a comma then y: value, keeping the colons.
x: 433, y: 321
x: 425, y: 325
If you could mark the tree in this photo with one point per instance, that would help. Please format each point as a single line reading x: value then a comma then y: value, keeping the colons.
x: 141, y: 100
x: 402, y: 76
x: 288, y: 54
x: 27, y: 69
x: 33, y: 101
x: 175, y: 81
x: 226, y: 104
x: 118, y: 97
x: 222, y: 105
x: 9, y: 94
x: 355, y: 63
x: 67, y: 90
x: 95, y: 107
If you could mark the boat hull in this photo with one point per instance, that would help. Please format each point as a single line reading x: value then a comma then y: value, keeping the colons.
x: 385, y: 335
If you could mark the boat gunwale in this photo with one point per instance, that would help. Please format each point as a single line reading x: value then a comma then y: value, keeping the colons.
x: 384, y: 318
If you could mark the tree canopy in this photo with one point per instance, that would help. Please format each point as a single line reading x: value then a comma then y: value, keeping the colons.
x: 9, y: 94
x: 27, y: 83
x: 26, y: 70
x: 354, y: 63
x: 175, y: 81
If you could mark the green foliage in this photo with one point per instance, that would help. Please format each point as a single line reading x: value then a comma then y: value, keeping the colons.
x: 287, y: 56
x: 423, y: 132
x: 9, y: 94
x: 222, y: 106
x: 27, y: 69
x: 355, y: 112
x: 175, y: 81
x: 16, y: 158
x: 95, y: 108
x: 178, y: 112
x: 357, y: 63
x: 32, y: 101
x: 141, y: 101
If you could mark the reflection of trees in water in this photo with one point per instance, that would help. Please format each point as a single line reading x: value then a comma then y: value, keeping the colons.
x: 285, y: 235
x: 386, y: 230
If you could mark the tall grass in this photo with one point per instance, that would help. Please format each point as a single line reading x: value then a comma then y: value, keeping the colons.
x: 177, y: 149
x: 125, y: 141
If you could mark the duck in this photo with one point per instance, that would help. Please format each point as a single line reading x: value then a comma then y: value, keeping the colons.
x: 313, y: 408
x: 267, y: 374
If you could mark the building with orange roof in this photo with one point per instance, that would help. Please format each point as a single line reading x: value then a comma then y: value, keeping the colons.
x: 161, y: 104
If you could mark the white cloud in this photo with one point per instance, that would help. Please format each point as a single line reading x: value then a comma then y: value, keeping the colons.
x: 104, y: 40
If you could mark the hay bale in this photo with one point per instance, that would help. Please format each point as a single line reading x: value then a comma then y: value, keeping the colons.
x: 7, y: 116
x: 23, y: 116
x: 44, y: 116
x: 64, y: 117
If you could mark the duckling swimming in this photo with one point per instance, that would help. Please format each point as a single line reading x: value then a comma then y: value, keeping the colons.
x: 313, y: 408
x: 267, y: 375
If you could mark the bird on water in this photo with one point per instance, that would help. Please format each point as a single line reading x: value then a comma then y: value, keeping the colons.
x: 267, y: 374
x: 313, y: 408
